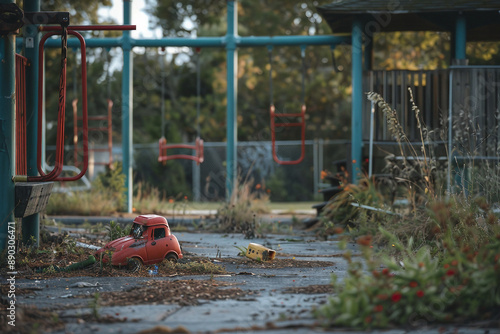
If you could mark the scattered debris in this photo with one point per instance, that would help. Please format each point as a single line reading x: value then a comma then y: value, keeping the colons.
x: 182, y: 292
x: 84, y: 245
x: 260, y: 253
x: 165, y: 329
x: 278, y: 263
x: 72, y: 267
x: 311, y: 289
x: 30, y: 319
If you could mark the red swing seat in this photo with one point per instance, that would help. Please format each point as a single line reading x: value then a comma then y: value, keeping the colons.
x: 197, y: 147
x: 301, y: 124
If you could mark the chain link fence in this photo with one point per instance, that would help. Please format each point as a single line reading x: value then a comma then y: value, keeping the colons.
x: 207, y: 181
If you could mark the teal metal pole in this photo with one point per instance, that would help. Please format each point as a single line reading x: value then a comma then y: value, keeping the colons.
x: 232, y: 91
x: 357, y: 99
x: 220, y: 42
x: 7, y: 139
x: 31, y: 224
x: 460, y: 37
x: 127, y: 111
x: 291, y: 40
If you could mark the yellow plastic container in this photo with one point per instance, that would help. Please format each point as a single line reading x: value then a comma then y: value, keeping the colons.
x: 259, y: 252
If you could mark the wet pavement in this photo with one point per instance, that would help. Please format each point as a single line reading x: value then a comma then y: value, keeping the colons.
x: 268, y: 303
x: 269, y: 309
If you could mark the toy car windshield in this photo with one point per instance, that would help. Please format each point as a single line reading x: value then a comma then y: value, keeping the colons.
x: 137, y: 230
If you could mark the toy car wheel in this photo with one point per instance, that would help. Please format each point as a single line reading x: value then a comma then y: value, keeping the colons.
x: 134, y: 264
x: 172, y: 257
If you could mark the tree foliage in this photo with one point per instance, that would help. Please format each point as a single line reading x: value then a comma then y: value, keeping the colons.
x: 327, y: 90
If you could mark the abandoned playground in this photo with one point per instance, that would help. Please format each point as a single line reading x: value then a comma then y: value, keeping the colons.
x: 375, y: 211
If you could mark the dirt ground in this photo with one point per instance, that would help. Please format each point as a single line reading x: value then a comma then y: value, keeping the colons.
x: 219, y: 277
x: 211, y: 290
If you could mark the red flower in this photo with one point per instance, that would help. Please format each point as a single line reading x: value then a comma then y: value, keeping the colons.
x: 420, y: 293
x: 375, y: 273
x: 338, y: 230
x: 454, y: 263
x: 413, y: 284
x: 385, y: 271
x: 396, y: 296
x: 364, y: 240
x: 378, y: 308
x: 450, y: 272
x: 446, y: 266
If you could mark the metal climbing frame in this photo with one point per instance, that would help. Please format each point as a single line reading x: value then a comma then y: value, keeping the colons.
x: 58, y: 166
x: 63, y: 30
x: 301, y: 115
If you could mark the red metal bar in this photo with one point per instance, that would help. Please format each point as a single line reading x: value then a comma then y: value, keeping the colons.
x: 197, y: 147
x: 21, y: 166
x: 60, y: 125
x: 110, y: 132
x: 302, y: 124
x: 75, y: 131
x: 199, y: 150
x: 83, y: 56
x: 88, y: 27
x: 54, y: 174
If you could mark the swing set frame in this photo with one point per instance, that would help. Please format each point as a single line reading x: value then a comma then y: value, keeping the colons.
x: 163, y: 155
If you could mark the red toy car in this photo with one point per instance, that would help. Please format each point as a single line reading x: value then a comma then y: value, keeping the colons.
x: 150, y: 241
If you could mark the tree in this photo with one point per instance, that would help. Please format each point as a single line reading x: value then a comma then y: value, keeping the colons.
x: 324, y: 88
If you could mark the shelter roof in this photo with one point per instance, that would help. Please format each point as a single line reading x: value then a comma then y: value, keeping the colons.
x: 483, y: 17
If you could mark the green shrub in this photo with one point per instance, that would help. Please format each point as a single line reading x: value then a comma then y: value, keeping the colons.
x: 106, y: 196
x: 440, y: 259
x: 422, y: 287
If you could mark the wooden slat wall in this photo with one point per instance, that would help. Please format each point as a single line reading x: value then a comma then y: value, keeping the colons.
x: 476, y: 100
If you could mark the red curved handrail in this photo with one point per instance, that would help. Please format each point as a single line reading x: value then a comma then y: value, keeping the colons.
x: 302, y: 124
x: 197, y: 147
x: 21, y: 63
x: 56, y: 171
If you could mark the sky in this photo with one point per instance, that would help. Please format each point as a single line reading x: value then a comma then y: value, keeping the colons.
x: 139, y: 18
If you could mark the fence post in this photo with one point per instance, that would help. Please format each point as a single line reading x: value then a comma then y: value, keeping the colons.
x: 196, y: 181
x: 316, y: 166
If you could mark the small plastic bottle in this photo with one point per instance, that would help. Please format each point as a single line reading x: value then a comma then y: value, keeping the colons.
x: 153, y: 272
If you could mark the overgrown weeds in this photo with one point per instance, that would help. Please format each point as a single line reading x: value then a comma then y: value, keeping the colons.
x: 115, y: 230
x: 106, y: 196
x: 239, y: 215
x: 195, y: 267
x: 440, y: 258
